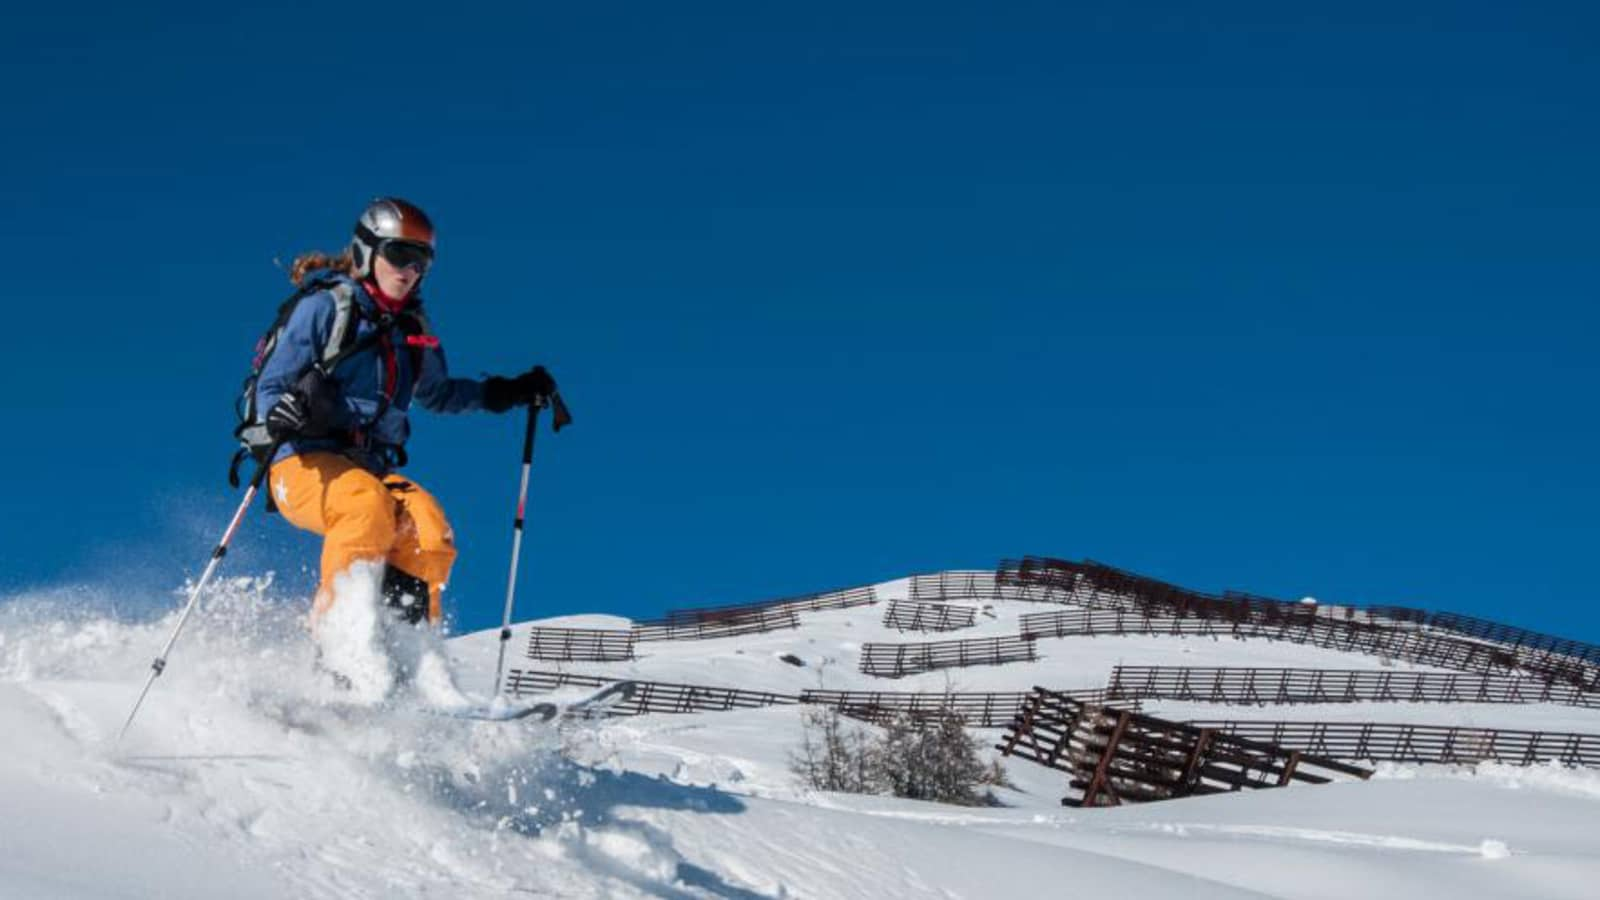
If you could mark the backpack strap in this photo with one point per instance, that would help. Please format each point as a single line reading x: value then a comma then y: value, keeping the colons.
x: 342, y: 335
x: 343, y: 340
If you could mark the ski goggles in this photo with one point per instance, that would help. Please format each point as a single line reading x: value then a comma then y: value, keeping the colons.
x: 406, y: 254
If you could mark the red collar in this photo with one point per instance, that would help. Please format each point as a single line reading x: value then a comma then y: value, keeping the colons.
x: 385, y: 302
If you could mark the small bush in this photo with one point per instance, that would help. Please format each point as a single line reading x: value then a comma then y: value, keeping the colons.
x: 920, y: 758
x: 831, y: 757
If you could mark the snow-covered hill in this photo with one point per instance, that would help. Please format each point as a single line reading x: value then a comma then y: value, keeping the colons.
x: 240, y: 780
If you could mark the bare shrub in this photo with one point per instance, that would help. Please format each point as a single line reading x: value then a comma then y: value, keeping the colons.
x: 917, y: 757
x: 833, y: 757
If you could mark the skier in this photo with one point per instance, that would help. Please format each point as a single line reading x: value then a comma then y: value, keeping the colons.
x: 343, y: 431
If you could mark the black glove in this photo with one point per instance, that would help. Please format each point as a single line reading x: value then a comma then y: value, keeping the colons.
x: 306, y: 410
x: 289, y: 417
x: 532, y: 386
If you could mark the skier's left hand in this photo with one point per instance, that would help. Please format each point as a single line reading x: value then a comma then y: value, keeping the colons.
x: 532, y: 386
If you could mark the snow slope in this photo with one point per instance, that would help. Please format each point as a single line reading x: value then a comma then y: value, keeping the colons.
x: 245, y: 777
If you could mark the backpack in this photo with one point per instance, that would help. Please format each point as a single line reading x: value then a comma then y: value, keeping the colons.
x: 251, y: 430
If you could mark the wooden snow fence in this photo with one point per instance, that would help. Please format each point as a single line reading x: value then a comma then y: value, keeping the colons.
x: 1416, y: 646
x: 1559, y: 659
x: 731, y: 621
x: 1399, y: 742
x: 974, y: 709
x: 1116, y: 756
x: 1036, y: 579
x: 1101, y: 587
x: 580, y: 644
x: 905, y: 615
x: 961, y: 585
x: 1286, y: 686
x: 1096, y: 585
x: 1485, y: 630
x: 1090, y: 584
x: 747, y: 618
x: 900, y: 660
x: 650, y: 696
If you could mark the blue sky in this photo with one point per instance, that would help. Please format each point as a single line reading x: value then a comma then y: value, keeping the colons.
x: 1286, y: 300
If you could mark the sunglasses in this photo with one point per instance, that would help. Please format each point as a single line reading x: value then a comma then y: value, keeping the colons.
x: 405, y: 254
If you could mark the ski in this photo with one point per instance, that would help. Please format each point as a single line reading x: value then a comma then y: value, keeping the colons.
x: 608, y: 697
x: 507, y: 712
x: 586, y: 707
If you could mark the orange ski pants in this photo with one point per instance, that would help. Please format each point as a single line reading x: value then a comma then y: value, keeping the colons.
x: 362, y: 517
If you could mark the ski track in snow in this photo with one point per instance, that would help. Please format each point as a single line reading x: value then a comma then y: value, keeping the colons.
x: 247, y: 775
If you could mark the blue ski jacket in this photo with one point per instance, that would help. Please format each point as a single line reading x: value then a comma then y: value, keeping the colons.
x: 370, y: 425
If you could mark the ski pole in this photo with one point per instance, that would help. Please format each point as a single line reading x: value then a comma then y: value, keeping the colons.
x: 160, y: 664
x: 562, y: 418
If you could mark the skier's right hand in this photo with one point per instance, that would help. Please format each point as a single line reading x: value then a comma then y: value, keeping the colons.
x: 310, y: 409
x: 290, y: 417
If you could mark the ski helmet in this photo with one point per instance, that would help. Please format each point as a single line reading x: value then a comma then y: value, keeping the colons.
x: 388, y: 219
